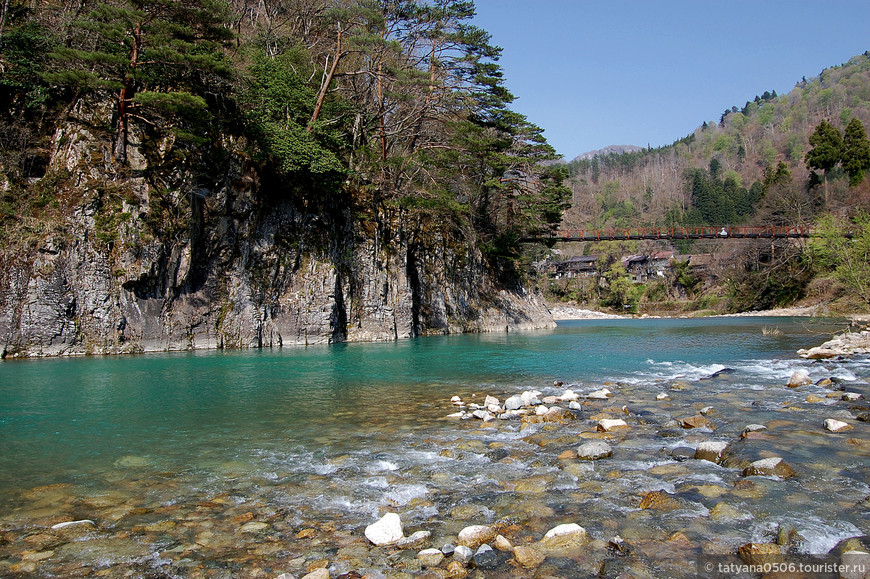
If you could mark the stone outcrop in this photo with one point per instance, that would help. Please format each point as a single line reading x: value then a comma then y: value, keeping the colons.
x: 846, y: 344
x: 148, y: 262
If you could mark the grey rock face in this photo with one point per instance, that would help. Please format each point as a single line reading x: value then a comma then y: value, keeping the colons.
x: 229, y: 267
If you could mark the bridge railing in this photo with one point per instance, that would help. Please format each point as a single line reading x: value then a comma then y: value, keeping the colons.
x: 707, y: 232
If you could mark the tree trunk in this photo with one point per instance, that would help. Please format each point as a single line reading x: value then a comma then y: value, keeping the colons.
x: 124, y: 98
x: 382, y: 124
x: 326, y: 82
x: 3, y: 20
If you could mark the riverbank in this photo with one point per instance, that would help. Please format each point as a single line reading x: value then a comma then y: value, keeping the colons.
x: 566, y: 312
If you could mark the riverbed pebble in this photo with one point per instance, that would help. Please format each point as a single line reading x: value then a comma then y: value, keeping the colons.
x: 799, y: 378
x: 513, y: 403
x: 594, y: 450
x: 749, y: 428
x: 711, y: 450
x: 430, y: 557
x: 385, y: 531
x: 475, y: 535
x: 602, y: 394
x: 486, y: 558
x: 609, y: 424
x: 463, y: 554
x: 833, y: 425
x: 772, y: 466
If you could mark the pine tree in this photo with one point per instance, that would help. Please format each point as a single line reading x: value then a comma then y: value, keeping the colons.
x: 827, y: 150
x: 157, y: 55
x: 856, y: 151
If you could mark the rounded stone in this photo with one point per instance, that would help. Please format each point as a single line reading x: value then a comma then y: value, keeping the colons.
x: 475, y: 535
x: 430, y: 557
x: 386, y: 531
x: 710, y: 450
x: 799, y: 378
x: 773, y: 466
x: 832, y: 425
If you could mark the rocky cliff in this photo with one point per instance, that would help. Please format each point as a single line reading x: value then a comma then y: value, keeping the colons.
x: 163, y: 256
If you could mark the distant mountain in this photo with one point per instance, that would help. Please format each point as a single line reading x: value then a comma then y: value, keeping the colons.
x: 610, y: 150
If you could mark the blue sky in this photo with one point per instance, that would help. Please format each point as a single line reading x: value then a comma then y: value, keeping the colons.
x: 594, y: 73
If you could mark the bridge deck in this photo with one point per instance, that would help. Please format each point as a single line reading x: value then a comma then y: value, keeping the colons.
x: 677, y: 233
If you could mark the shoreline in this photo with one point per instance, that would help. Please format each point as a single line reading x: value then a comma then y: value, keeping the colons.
x: 565, y: 313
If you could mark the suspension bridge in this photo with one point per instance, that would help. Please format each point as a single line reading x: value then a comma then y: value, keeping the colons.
x: 653, y: 233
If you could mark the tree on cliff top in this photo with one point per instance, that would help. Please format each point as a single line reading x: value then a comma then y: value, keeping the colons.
x: 159, y: 56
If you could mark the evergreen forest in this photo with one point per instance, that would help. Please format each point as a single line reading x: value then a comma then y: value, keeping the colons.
x: 391, y: 114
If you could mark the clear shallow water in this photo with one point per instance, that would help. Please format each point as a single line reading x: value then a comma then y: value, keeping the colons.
x: 339, y: 433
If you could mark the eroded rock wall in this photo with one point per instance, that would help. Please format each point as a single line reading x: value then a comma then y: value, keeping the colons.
x: 133, y: 267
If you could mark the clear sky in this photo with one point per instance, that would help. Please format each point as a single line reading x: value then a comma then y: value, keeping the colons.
x: 594, y: 73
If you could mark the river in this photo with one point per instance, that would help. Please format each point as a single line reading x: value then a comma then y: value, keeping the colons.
x: 253, y: 463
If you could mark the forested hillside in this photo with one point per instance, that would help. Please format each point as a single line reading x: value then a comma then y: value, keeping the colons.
x: 736, y: 157
x: 798, y: 159
x: 171, y: 142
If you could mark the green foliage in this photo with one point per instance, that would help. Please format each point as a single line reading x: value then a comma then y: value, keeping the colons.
x: 856, y: 152
x: 621, y: 293
x: 847, y: 259
x: 278, y: 103
x: 685, y: 277
x: 716, y: 201
x: 827, y: 148
x: 22, y: 54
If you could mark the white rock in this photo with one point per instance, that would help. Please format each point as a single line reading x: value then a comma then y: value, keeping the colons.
x: 530, y: 397
x: 851, y: 396
x: 599, y: 394
x: 483, y: 415
x: 463, y: 554
x: 568, y: 396
x: 662, y: 396
x: 574, y: 405
x: 456, y: 400
x: 286, y: 576
x: 320, y: 573
x: 513, y: 403
x: 491, y: 401
x: 386, y: 531
x: 541, y: 410
x: 837, y: 425
x: 74, y: 523
x: 799, y: 378
x: 707, y: 410
x: 594, y: 450
x: 710, y: 450
x: 565, y: 530
x: 459, y: 414
x: 753, y: 428
x: 474, y: 535
x: 608, y: 424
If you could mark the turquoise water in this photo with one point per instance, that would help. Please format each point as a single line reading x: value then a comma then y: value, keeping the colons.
x: 330, y: 436
x: 62, y: 418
